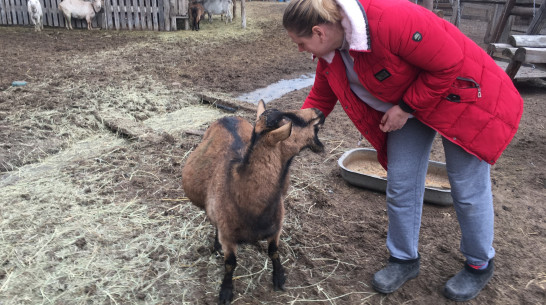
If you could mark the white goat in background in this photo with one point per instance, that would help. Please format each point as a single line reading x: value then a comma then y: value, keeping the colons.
x: 36, y: 14
x: 219, y: 7
x: 80, y: 9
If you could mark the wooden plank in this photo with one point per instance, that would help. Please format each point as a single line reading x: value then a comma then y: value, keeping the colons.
x: 131, y: 15
x: 138, y: 15
x: 528, y: 55
x: 124, y: 22
x: 525, y: 71
x: 109, y: 12
x: 56, y: 16
x: 522, y: 11
x: 499, y: 28
x: 149, y: 24
x: 44, y: 10
x: 495, y: 48
x: 48, y: 18
x: 115, y: 11
x: 21, y: 12
x: 14, y: 12
x: 536, y: 41
x: 163, y: 15
x: 154, y: 15
x: 8, y: 11
x: 3, y: 19
x: 493, y: 18
x: 128, y: 15
x: 172, y: 16
x: 134, y: 12
x: 26, y: 14
x: 18, y: 13
x: 142, y: 13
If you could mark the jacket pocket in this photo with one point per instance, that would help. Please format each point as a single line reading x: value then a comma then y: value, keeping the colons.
x: 464, y: 90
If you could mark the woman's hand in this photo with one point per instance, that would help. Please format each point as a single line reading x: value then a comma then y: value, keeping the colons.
x: 393, y: 119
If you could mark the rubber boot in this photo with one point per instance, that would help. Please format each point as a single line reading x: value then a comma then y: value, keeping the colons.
x: 468, y: 283
x: 395, y: 274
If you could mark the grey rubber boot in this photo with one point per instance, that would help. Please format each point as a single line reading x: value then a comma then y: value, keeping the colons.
x: 468, y: 283
x: 395, y: 274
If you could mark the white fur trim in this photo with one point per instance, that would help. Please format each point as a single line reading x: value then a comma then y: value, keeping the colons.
x: 354, y: 24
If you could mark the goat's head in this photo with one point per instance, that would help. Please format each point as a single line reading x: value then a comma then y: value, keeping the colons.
x: 301, y: 126
x: 97, y: 5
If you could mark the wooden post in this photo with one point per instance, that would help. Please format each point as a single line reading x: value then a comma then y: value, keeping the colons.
x: 495, y: 37
x: 456, y: 16
x: 494, y: 18
x: 243, y: 14
x: 515, y: 63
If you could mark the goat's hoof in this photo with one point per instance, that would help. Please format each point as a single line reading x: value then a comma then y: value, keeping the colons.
x: 278, y: 282
x: 226, y: 295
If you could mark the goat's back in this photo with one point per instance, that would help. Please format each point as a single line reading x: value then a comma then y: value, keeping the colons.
x: 224, y: 141
x: 80, y: 8
x: 218, y: 7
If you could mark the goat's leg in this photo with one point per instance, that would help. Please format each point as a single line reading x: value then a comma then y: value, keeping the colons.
x: 226, y: 289
x: 88, y: 19
x: 217, y: 246
x: 67, y: 22
x: 278, y: 270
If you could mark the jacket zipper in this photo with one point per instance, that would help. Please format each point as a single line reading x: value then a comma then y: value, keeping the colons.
x: 474, y: 82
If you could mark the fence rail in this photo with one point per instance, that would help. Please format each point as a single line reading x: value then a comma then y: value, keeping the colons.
x: 156, y: 15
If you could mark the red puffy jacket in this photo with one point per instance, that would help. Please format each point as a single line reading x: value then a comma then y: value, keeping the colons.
x: 415, y: 56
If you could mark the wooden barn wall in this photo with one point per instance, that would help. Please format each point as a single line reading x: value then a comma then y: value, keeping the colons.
x: 155, y: 15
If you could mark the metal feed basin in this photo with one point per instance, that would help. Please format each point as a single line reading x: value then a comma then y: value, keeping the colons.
x: 440, y: 195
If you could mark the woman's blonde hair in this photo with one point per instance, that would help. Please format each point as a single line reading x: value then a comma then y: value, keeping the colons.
x: 300, y: 16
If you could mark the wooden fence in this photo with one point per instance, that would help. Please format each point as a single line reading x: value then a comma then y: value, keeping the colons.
x: 156, y: 15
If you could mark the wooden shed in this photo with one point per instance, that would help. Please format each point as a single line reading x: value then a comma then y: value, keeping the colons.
x: 156, y: 15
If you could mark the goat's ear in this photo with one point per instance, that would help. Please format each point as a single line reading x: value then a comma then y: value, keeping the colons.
x: 280, y: 134
x: 317, y: 121
x: 261, y: 108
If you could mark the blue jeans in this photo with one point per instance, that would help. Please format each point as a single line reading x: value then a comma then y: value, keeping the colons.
x: 408, y: 155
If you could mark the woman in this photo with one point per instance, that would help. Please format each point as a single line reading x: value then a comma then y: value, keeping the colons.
x: 402, y: 74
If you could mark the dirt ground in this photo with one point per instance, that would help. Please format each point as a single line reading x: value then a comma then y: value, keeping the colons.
x: 91, y: 152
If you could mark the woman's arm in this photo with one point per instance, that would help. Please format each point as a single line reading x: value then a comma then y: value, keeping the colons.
x: 321, y: 96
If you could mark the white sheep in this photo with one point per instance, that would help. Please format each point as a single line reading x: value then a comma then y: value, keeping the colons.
x: 80, y: 9
x: 239, y: 175
x: 36, y: 14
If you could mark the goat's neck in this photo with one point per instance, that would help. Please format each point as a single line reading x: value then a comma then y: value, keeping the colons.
x: 262, y: 162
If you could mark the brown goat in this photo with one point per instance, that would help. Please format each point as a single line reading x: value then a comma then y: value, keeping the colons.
x: 239, y: 175
x: 196, y: 12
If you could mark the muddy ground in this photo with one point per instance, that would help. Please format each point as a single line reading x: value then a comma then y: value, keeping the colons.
x: 91, y: 152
